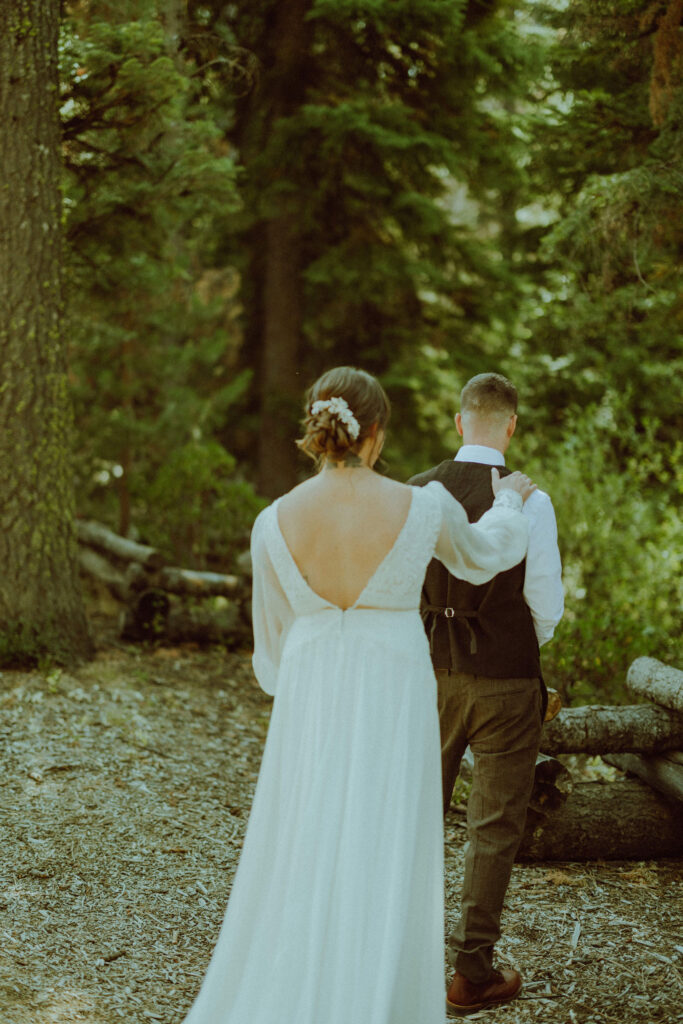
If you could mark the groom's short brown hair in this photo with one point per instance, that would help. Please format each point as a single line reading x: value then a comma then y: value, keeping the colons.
x: 489, y: 393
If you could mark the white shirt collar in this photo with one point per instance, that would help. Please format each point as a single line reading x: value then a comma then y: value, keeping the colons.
x: 480, y: 453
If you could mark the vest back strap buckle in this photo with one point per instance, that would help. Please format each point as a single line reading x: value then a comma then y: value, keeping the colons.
x: 462, y: 614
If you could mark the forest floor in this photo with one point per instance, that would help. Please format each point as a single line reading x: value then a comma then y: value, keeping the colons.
x: 123, y: 800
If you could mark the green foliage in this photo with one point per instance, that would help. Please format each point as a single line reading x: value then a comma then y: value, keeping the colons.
x: 153, y: 322
x: 461, y: 792
x: 606, y: 326
x: 426, y: 384
x: 198, y: 511
x: 601, y: 342
x: 395, y: 128
x: 621, y: 539
x: 471, y: 187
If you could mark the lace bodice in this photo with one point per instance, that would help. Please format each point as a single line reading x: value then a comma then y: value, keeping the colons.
x: 436, y: 526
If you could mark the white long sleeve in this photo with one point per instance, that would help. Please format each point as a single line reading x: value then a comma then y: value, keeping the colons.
x: 476, y: 552
x: 272, y: 614
x: 543, y: 590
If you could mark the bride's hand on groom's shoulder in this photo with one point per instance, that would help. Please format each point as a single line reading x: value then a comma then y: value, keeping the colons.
x: 514, y: 482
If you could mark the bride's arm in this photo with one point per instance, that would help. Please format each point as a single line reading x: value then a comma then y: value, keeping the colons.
x: 476, y: 552
x: 272, y: 614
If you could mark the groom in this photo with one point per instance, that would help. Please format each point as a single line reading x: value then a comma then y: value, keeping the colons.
x: 484, y: 643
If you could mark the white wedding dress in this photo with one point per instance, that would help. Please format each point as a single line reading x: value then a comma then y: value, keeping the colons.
x: 336, y: 910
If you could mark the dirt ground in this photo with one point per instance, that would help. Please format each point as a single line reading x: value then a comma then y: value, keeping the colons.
x: 124, y: 798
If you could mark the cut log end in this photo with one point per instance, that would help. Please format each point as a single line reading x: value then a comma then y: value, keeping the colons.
x: 648, y: 677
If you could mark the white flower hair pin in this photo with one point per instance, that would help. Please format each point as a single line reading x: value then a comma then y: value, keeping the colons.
x: 338, y: 407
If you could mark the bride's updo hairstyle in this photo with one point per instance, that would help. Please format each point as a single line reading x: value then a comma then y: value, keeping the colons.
x: 333, y: 429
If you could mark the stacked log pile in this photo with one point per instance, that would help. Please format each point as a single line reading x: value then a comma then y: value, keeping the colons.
x: 635, y: 818
x: 661, y: 768
x: 161, y: 601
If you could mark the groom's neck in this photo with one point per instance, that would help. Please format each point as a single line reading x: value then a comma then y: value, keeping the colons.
x: 497, y: 444
x: 491, y: 431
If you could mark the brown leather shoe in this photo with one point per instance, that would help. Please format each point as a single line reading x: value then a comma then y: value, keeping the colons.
x: 464, y: 996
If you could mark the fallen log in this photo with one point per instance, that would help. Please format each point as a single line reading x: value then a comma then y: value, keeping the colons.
x: 552, y: 785
x: 98, y: 536
x: 156, y: 615
x: 624, y: 820
x: 204, y: 624
x: 664, y: 773
x: 199, y: 584
x: 98, y: 566
x: 136, y: 578
x: 599, y: 729
x: 648, y: 677
x: 554, y: 705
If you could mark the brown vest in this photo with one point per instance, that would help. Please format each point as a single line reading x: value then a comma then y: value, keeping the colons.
x: 485, y: 630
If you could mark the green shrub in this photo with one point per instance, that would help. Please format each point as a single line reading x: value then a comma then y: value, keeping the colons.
x: 621, y: 538
x: 199, y: 512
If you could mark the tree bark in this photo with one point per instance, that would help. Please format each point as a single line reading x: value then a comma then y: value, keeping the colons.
x: 613, y: 821
x: 664, y: 773
x: 281, y: 390
x: 598, y: 729
x: 281, y: 387
x: 661, y: 683
x: 41, y: 608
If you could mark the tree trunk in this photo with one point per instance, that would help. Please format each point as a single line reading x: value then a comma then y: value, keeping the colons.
x: 664, y: 773
x: 613, y: 821
x: 609, y: 730
x: 281, y: 385
x: 663, y: 684
x: 41, y: 609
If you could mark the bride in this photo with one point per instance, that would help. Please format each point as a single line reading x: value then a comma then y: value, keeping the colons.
x: 336, y: 910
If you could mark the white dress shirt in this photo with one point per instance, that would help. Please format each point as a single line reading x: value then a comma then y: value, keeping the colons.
x: 543, y: 590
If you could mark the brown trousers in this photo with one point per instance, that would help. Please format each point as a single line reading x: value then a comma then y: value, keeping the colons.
x: 500, y: 719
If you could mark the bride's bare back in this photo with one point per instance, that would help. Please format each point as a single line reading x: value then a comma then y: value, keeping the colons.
x: 339, y: 527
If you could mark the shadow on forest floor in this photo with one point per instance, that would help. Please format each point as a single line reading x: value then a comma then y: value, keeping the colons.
x: 124, y: 800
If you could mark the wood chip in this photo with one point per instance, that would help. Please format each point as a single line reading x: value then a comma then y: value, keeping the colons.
x: 104, y: 865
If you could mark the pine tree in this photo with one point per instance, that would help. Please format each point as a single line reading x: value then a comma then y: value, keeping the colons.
x: 41, y: 611
x: 153, y: 320
x: 356, y: 123
x: 610, y: 158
